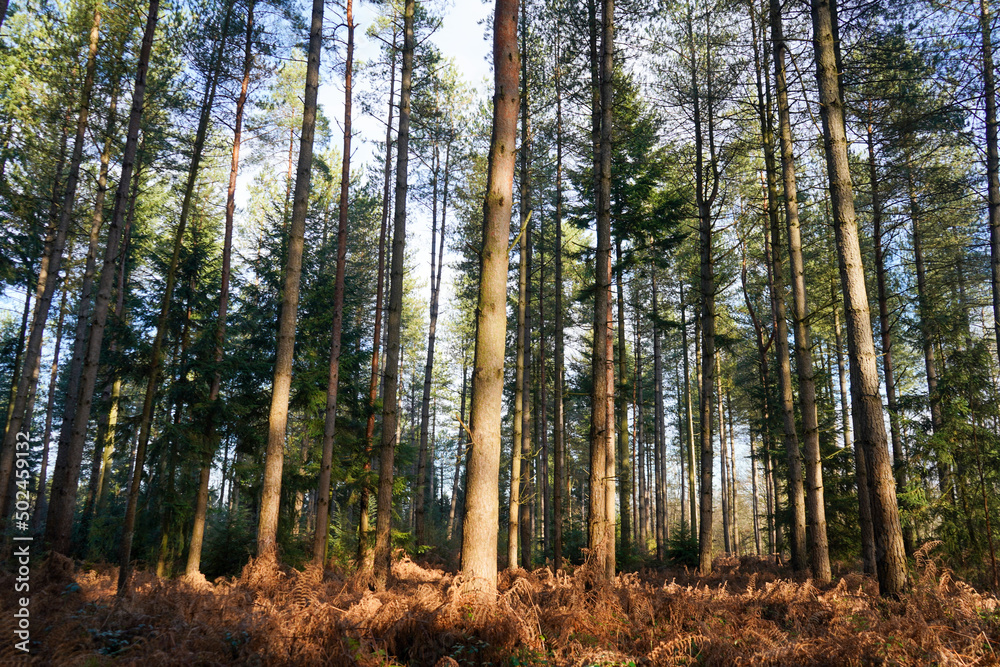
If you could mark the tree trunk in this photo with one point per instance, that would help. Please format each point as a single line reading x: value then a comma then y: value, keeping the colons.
x: 558, y: 425
x: 390, y: 415
x: 640, y: 450
x: 281, y: 385
x: 992, y: 160
x: 541, y: 430
x: 723, y: 458
x: 926, y: 338
x: 659, y: 493
x: 867, y: 401
x: 601, y: 521
x: 333, y: 378
x: 624, y: 464
x: 819, y: 551
x: 459, y: 451
x: 48, y: 277
x: 689, y: 418
x: 365, y: 553
x: 479, y: 540
x: 201, y: 503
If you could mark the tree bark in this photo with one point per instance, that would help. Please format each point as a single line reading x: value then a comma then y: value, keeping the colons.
x: 659, y: 493
x: 267, y: 528
x: 866, y: 398
x: 365, y: 553
x: 624, y: 464
x: 601, y: 520
x: 819, y: 548
x: 390, y: 414
x: 992, y: 159
x: 558, y: 423
x: 201, y: 503
x: 333, y: 378
x: 479, y: 541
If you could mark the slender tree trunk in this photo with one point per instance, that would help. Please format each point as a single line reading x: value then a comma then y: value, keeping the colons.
x: 658, y: 463
x: 992, y: 159
x: 819, y: 550
x: 365, y: 553
x: 281, y: 386
x: 640, y: 450
x: 48, y: 277
x: 885, y: 325
x: 558, y: 425
x: 333, y: 379
x: 601, y: 520
x: 704, y: 202
x: 420, y: 493
x: 541, y: 431
x: 524, y: 478
x: 867, y: 401
x: 753, y: 487
x: 723, y: 458
x: 459, y: 451
x: 479, y: 540
x: 624, y: 465
x: 926, y: 337
x: 521, y: 381
x: 201, y: 503
x: 390, y: 411
x: 689, y: 417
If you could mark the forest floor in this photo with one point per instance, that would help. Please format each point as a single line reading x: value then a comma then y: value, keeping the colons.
x: 750, y: 611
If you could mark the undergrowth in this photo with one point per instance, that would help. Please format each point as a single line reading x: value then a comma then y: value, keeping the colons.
x: 750, y: 611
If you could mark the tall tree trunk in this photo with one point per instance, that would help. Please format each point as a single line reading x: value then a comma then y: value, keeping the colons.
x: 524, y: 476
x: 558, y: 423
x: 704, y: 202
x: 753, y: 487
x: 926, y: 336
x: 201, y: 503
x: 459, y: 452
x: 390, y: 414
x: 658, y: 463
x: 624, y: 465
x: 601, y: 520
x: 541, y: 431
x: 333, y: 379
x: 796, y: 496
x: 48, y: 277
x: 420, y: 492
x: 365, y: 553
x: 281, y: 385
x: 723, y: 458
x: 819, y: 550
x: 521, y: 380
x: 867, y: 401
x: 640, y: 450
x: 992, y: 159
x: 479, y: 540
x: 156, y: 354
x: 689, y: 418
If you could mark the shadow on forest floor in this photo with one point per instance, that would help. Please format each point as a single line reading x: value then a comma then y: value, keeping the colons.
x: 750, y: 611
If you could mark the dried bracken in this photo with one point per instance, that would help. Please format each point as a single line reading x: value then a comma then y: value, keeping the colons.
x: 749, y: 612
